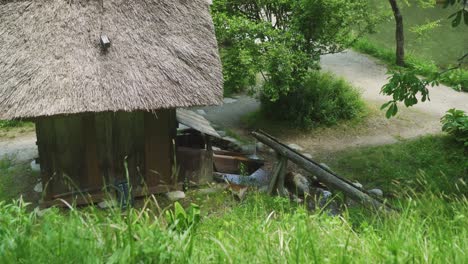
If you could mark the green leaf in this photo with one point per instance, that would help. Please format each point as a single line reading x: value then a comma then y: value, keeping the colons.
x: 385, y: 105
x: 465, y: 16
x: 457, y: 20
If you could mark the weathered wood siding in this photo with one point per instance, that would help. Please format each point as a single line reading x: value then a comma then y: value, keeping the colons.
x: 87, y: 151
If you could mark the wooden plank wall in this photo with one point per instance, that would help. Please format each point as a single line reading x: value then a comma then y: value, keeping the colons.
x: 159, y: 148
x: 87, y: 151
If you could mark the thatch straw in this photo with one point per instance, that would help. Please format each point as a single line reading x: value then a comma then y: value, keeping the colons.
x: 163, y: 55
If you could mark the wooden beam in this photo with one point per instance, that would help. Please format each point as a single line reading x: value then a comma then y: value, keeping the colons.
x: 329, y: 178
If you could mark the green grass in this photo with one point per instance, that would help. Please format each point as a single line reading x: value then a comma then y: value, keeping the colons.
x: 432, y: 51
x: 456, y: 78
x: 15, y: 179
x: 442, y: 44
x: 5, y: 124
x: 431, y: 227
x: 441, y: 159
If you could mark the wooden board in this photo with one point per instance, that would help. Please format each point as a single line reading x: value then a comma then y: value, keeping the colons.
x: 196, y: 165
x: 88, y: 151
x: 160, y: 132
x: 196, y: 121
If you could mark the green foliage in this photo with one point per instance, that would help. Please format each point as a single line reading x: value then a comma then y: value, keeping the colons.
x: 455, y: 123
x: 404, y: 86
x: 282, y: 39
x: 462, y: 13
x: 181, y: 220
x: 10, y: 123
x: 320, y: 99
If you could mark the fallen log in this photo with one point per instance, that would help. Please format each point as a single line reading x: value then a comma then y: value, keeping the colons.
x: 324, y: 175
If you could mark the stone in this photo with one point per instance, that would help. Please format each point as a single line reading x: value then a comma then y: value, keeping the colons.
x: 307, y: 155
x: 201, y: 112
x: 175, y: 196
x: 211, y: 190
x: 248, y: 149
x: 296, y: 147
x: 358, y: 185
x: 260, y: 146
x: 263, y: 189
x: 301, y: 184
x: 107, y: 204
x: 376, y: 192
x: 38, y: 187
x: 228, y: 100
x: 34, y: 166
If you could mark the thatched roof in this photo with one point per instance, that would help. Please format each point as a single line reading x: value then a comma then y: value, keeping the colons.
x: 163, y: 55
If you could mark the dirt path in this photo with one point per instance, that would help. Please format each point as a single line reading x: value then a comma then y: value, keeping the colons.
x: 369, y: 75
x: 365, y: 73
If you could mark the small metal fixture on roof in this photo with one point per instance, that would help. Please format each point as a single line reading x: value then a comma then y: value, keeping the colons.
x: 105, y: 42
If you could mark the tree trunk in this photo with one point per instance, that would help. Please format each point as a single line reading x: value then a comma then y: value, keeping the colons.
x: 400, y: 37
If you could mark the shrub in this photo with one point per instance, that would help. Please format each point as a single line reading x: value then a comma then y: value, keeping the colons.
x: 238, y: 70
x: 10, y: 123
x: 455, y: 122
x: 320, y: 99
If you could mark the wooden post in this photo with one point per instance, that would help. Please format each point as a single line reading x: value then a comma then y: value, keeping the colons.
x: 323, y: 174
x: 279, y: 174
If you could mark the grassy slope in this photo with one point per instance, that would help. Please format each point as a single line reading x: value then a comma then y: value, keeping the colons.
x: 443, y: 44
x: 441, y: 159
x: 431, y: 227
x: 435, y: 50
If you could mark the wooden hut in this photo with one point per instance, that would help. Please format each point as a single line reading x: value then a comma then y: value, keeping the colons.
x: 102, y: 80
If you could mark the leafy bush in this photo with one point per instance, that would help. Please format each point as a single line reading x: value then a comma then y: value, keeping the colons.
x: 320, y: 99
x: 181, y: 220
x: 455, y: 122
x: 10, y: 123
x: 281, y: 40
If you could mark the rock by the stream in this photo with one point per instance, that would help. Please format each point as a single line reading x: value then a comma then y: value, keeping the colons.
x: 296, y: 147
x: 376, y: 192
x: 307, y: 155
x: 175, y: 196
